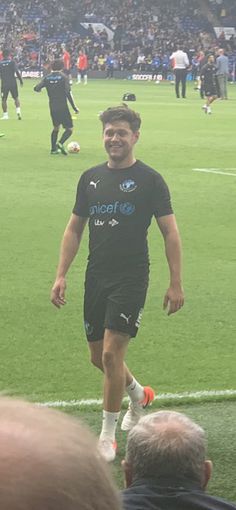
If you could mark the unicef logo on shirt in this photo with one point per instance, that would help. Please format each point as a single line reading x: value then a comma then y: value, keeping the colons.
x: 127, y: 208
x: 128, y: 185
x: 113, y: 208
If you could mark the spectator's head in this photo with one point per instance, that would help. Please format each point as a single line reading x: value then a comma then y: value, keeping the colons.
x: 169, y: 445
x: 57, y: 65
x: 221, y: 51
x: 121, y: 114
x: 6, y: 53
x: 49, y: 461
x: 211, y: 59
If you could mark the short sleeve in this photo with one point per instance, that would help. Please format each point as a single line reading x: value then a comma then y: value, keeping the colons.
x: 161, y: 199
x: 81, y: 207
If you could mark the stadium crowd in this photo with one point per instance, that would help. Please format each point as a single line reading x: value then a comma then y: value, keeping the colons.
x: 145, y: 33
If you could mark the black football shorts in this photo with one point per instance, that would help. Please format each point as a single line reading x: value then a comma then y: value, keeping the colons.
x: 12, y: 88
x: 62, y: 117
x: 210, y: 91
x: 113, y: 302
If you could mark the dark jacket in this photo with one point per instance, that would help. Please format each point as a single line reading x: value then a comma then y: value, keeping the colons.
x: 170, y: 495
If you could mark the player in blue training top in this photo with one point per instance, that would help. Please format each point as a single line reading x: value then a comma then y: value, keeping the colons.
x: 58, y: 89
x: 119, y: 199
x: 8, y: 70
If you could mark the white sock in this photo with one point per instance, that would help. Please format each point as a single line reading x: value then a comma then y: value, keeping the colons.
x: 5, y: 115
x: 18, y: 110
x: 85, y: 79
x: 109, y: 424
x: 78, y: 78
x: 135, y: 391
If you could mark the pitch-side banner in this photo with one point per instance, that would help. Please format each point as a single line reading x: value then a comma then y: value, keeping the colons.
x: 147, y: 77
x: 25, y: 73
x: 228, y: 31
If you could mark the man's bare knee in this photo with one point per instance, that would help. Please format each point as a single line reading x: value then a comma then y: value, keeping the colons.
x: 109, y: 361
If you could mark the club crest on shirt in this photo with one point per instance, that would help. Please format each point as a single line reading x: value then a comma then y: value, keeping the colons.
x: 128, y: 185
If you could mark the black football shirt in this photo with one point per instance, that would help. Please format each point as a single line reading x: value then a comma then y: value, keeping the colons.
x: 8, y: 69
x: 120, y: 204
x: 58, y: 88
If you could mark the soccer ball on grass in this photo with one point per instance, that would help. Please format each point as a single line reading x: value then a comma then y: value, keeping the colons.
x: 73, y: 147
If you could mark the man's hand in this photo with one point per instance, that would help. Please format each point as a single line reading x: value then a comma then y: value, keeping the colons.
x: 174, y: 299
x: 77, y: 110
x: 58, y: 292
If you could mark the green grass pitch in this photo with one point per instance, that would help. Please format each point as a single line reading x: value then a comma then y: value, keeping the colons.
x: 43, y: 351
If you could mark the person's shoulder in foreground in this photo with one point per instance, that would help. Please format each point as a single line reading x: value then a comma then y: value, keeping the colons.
x: 49, y: 461
x: 166, y: 467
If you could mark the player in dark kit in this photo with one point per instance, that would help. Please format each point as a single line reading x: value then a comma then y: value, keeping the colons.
x: 208, y: 78
x: 119, y: 198
x: 58, y: 89
x: 8, y: 70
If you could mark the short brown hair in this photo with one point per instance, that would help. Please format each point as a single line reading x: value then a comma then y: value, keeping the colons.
x: 121, y: 113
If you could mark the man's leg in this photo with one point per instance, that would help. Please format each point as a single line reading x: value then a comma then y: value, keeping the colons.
x: 54, y: 135
x: 183, y: 83
x: 177, y: 82
x: 210, y: 100
x: 96, y: 351
x: 114, y: 349
x: 4, y: 108
x: 18, y: 110
x: 104, y: 359
x: 225, y: 86
x: 67, y: 133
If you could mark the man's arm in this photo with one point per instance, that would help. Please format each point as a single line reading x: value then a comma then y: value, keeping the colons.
x: 69, y: 96
x: 40, y: 86
x: 18, y: 74
x: 69, y: 248
x: 174, y: 297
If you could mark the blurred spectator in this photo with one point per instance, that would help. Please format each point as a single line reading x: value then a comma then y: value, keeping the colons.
x: 222, y: 73
x: 49, y: 461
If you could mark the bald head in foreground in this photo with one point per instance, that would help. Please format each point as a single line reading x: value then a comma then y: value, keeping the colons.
x: 166, y: 466
x: 49, y: 461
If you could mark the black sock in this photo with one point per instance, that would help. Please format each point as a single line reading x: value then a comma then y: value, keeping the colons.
x: 65, y: 136
x: 54, y: 135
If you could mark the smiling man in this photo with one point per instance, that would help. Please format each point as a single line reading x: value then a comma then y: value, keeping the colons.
x: 119, y: 197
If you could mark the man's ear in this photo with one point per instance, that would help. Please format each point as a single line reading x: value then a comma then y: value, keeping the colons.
x: 137, y: 135
x: 127, y: 470
x: 208, y: 466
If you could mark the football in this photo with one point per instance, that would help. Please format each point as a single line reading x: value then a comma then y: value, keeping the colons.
x: 73, y: 147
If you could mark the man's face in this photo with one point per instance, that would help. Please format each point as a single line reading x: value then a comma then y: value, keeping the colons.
x: 119, y: 140
x: 211, y: 59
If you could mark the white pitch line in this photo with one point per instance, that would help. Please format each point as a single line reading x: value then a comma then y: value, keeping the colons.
x: 215, y: 171
x: 163, y: 396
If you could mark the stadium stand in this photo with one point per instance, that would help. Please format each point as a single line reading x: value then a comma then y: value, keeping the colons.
x: 145, y: 33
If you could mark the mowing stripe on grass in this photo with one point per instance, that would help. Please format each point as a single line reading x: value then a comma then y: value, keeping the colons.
x: 215, y: 171
x: 170, y: 398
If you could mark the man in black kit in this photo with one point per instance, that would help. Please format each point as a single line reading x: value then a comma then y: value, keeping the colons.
x: 58, y: 89
x: 119, y: 198
x: 8, y: 70
x: 209, y: 83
